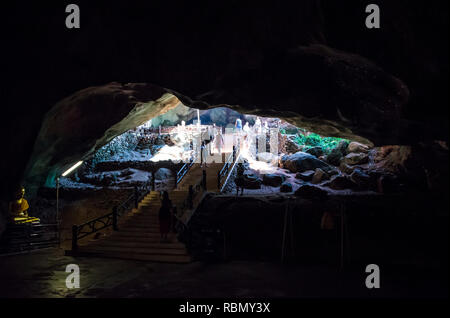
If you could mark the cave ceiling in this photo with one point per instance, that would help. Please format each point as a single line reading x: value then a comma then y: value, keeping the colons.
x: 67, y: 93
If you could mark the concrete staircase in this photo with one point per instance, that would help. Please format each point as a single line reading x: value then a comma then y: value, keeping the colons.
x: 195, y: 175
x: 138, y: 237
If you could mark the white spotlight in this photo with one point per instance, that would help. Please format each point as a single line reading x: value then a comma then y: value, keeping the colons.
x: 72, y: 168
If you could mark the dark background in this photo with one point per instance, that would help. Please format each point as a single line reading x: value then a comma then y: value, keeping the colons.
x: 188, y: 46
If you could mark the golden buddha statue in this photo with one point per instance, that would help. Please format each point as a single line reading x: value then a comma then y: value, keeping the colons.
x: 18, y: 209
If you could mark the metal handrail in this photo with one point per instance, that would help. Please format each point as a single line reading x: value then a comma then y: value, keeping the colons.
x: 110, y: 219
x: 187, y: 204
x: 228, y: 161
x: 229, y: 173
x: 224, y: 171
x: 185, y: 168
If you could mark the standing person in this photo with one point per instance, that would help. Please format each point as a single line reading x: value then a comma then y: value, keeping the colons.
x: 214, y: 130
x: 238, y: 125
x: 218, y: 141
x: 246, y: 128
x: 266, y: 127
x: 257, y: 128
x: 239, y: 180
x: 204, y: 154
x: 165, y: 216
x: 212, y: 134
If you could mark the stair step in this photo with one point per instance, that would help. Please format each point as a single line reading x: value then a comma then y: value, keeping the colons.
x: 142, y: 221
x: 146, y: 219
x: 142, y: 212
x: 153, y: 231
x: 138, y: 257
x: 144, y: 240
x: 146, y: 213
x: 138, y: 244
x: 125, y: 233
x: 136, y: 250
x: 148, y: 239
x: 139, y: 227
x: 140, y: 224
x: 138, y: 237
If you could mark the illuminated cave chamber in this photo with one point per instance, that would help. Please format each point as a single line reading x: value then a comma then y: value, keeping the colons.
x: 132, y: 136
x: 280, y: 159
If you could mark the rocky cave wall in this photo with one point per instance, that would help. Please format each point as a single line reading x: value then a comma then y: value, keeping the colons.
x: 313, y: 61
x: 84, y: 122
x: 221, y: 116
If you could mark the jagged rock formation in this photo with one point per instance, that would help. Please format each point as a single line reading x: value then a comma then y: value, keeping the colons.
x: 174, y: 116
x: 84, y: 122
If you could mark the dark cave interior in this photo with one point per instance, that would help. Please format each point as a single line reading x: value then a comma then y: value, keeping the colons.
x: 312, y: 65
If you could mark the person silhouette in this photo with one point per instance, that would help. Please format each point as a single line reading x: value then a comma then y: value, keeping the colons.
x: 165, y: 216
x: 238, y: 125
x: 239, y: 180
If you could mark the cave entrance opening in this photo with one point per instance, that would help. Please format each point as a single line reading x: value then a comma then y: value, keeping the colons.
x: 159, y: 147
x: 276, y: 157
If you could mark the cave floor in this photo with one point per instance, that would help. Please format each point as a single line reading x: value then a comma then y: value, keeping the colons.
x: 42, y: 274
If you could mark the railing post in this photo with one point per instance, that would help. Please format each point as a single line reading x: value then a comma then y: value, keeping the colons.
x: 74, y: 238
x: 136, y: 197
x: 115, y: 228
x: 190, y: 197
x: 234, y: 153
x: 153, y: 179
x: 201, y: 153
x: 218, y: 180
x: 204, y: 179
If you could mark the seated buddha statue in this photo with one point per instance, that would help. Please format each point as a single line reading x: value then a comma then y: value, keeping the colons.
x: 18, y: 209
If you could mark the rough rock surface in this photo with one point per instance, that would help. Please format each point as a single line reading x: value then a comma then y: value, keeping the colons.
x: 301, y: 161
x: 392, y: 158
x: 267, y: 157
x: 273, y: 180
x: 312, y: 192
x: 315, y: 151
x: 163, y: 174
x: 319, y: 176
x: 356, y: 158
x: 286, y: 187
x: 360, y: 178
x: 357, y: 147
x: 174, y: 116
x: 340, y: 182
x: 342, y: 147
x: 83, y: 122
x: 306, y: 175
x: 292, y: 147
x: 251, y: 181
x: 334, y: 157
x: 345, y: 168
